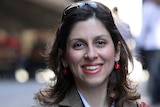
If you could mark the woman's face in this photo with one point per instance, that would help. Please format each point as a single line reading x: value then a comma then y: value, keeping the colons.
x: 90, y: 53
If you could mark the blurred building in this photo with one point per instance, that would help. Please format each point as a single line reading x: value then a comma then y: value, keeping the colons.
x: 24, y: 27
x: 27, y: 24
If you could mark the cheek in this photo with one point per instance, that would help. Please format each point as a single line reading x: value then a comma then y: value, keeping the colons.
x: 73, y: 57
x: 74, y: 60
x: 108, y: 54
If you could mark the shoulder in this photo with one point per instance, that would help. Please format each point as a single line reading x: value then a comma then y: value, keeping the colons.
x: 130, y: 104
x: 39, y: 105
x: 71, y: 99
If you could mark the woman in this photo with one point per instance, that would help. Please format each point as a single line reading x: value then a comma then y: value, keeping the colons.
x: 90, y: 60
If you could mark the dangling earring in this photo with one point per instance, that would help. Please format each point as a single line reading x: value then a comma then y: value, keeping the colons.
x: 117, y: 66
x: 65, y: 72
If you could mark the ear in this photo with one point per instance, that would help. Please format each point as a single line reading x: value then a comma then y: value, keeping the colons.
x: 118, y: 51
x: 63, y: 59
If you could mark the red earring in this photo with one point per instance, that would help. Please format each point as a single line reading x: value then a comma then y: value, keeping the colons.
x: 117, y: 66
x: 65, y: 72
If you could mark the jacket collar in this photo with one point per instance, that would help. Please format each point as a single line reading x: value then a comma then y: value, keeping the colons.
x: 72, y: 99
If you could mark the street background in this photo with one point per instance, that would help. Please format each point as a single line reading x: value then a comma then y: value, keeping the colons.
x: 24, y: 28
x: 15, y: 94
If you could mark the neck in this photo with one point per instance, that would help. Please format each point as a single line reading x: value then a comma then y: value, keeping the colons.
x: 95, y: 96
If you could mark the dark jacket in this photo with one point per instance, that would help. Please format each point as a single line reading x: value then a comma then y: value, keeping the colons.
x: 72, y: 99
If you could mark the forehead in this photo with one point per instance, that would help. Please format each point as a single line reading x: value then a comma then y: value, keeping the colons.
x: 90, y: 27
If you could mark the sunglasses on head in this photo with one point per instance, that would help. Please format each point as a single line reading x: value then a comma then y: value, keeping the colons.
x: 77, y: 5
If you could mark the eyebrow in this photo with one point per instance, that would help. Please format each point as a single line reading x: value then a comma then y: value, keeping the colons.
x: 99, y: 36
x: 103, y: 35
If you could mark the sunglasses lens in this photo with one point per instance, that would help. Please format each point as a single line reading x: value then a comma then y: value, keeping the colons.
x: 92, y: 4
x: 80, y: 4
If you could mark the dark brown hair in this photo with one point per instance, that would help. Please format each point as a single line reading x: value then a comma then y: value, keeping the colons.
x: 119, y: 87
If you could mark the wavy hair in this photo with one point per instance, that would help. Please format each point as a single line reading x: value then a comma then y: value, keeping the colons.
x: 119, y: 87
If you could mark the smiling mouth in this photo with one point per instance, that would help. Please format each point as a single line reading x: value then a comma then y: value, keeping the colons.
x: 92, y: 69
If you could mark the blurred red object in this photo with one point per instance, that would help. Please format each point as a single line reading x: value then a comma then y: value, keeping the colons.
x: 143, y: 104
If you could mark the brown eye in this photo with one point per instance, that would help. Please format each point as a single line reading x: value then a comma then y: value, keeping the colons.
x: 100, y: 43
x: 78, y: 45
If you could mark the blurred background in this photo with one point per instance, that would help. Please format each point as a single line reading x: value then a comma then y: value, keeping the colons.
x: 25, y: 26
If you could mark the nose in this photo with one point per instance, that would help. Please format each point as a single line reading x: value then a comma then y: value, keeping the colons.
x: 91, y: 53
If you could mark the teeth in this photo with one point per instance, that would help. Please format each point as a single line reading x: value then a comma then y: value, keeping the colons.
x: 91, y: 67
